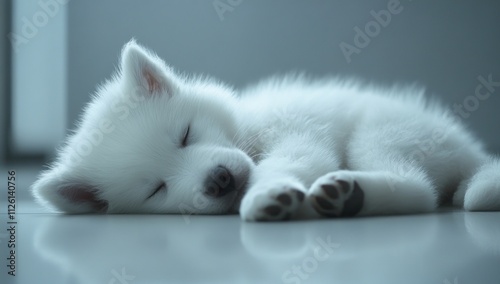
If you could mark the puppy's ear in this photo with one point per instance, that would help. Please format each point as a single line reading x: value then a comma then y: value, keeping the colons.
x: 52, y: 189
x: 145, y: 71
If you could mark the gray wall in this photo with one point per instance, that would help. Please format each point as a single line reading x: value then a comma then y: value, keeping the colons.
x: 444, y: 45
x: 4, y: 71
x: 38, y: 76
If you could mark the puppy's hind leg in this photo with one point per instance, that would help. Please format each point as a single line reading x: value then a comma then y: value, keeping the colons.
x: 358, y: 193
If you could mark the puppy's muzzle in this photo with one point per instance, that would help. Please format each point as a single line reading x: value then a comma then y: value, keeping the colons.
x: 219, y: 182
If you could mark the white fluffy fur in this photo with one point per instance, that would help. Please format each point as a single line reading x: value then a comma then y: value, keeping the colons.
x: 286, y: 133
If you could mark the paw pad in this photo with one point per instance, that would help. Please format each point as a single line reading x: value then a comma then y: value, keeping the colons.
x: 324, y: 203
x: 284, y: 199
x: 334, y: 197
x: 330, y: 190
x: 281, y: 206
x: 272, y: 210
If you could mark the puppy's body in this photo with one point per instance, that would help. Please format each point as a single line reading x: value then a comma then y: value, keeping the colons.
x: 153, y: 142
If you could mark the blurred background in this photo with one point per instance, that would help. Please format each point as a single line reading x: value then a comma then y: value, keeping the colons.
x: 53, y: 54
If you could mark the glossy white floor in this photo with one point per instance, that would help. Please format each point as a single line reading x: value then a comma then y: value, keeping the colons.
x: 445, y: 247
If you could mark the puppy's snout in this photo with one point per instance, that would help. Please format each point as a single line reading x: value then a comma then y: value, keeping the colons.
x: 219, y: 182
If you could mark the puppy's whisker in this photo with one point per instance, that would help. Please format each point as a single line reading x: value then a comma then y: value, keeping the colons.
x: 246, y: 145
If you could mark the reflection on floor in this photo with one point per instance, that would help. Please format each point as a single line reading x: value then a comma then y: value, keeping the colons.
x: 446, y: 247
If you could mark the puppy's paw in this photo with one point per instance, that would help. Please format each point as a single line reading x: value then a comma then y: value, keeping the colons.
x: 336, y: 194
x: 276, y: 201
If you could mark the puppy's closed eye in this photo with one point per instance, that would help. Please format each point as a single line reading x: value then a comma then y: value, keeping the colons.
x: 185, y: 139
x: 160, y: 187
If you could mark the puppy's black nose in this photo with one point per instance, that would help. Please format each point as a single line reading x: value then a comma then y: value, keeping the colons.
x: 219, y: 182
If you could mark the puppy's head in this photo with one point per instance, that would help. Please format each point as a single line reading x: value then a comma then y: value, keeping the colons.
x: 150, y: 141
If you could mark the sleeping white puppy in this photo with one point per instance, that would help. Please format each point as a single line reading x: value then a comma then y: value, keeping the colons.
x: 152, y: 141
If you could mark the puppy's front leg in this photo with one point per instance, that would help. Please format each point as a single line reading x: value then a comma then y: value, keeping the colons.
x: 279, y: 182
x: 274, y: 193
